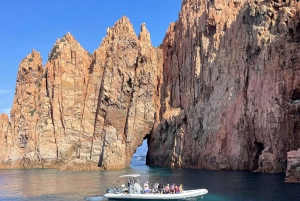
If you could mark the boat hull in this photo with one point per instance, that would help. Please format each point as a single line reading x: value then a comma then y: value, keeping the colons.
x: 183, y: 195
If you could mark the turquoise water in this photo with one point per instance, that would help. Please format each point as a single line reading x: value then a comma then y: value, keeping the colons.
x: 48, y: 184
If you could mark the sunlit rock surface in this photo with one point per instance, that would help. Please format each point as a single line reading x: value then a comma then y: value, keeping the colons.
x: 83, y: 111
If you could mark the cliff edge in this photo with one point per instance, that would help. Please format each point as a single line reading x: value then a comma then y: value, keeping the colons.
x: 230, y: 94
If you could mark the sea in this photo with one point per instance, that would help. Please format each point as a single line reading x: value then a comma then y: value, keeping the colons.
x: 51, y: 184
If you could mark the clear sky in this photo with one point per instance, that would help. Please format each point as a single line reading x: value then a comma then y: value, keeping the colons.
x: 142, y: 150
x: 33, y: 24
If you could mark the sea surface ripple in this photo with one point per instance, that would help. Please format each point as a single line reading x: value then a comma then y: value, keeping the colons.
x: 51, y: 184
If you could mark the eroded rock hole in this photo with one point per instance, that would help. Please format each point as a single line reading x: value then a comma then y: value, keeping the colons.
x: 244, y: 20
x: 139, y: 157
x: 296, y: 95
x: 291, y: 33
x: 258, y: 148
x: 129, y: 82
x: 211, y: 27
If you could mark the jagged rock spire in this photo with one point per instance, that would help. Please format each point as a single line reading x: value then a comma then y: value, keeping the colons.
x: 144, y: 35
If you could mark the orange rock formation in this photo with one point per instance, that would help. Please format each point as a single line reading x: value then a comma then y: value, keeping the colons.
x: 83, y: 111
x: 222, y: 92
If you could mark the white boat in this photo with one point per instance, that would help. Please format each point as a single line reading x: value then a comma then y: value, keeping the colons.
x: 135, y: 191
x: 141, y: 158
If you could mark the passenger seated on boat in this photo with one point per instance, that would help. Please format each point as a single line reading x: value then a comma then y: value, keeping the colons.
x: 180, y: 188
x: 172, y: 190
x: 159, y: 187
x: 155, y: 188
x: 176, y: 189
x: 125, y: 191
x: 167, y: 189
x: 146, y: 187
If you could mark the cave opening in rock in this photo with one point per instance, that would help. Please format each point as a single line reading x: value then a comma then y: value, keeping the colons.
x: 296, y: 95
x: 139, y: 157
x: 258, y: 148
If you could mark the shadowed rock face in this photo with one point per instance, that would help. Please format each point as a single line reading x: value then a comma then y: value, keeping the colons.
x: 230, y: 93
x: 83, y: 111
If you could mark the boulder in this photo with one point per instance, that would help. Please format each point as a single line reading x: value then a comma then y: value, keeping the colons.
x: 293, y: 166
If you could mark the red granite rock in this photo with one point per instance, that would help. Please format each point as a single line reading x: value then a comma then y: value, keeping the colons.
x: 230, y: 96
x: 222, y: 92
x: 293, y: 166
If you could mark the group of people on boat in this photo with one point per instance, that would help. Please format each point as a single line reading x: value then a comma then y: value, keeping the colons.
x: 159, y: 188
x: 134, y: 190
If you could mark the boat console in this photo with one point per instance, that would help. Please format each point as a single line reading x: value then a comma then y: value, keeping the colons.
x: 133, y: 186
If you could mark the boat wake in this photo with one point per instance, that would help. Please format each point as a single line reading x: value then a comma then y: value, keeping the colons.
x: 191, y: 199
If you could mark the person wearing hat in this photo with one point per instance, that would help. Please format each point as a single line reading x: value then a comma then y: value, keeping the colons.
x: 146, y: 187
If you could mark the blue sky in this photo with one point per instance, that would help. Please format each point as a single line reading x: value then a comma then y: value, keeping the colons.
x: 27, y: 25
x: 142, y: 150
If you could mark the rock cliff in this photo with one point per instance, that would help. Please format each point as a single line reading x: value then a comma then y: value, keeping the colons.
x: 221, y: 92
x: 83, y: 111
x: 230, y: 94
